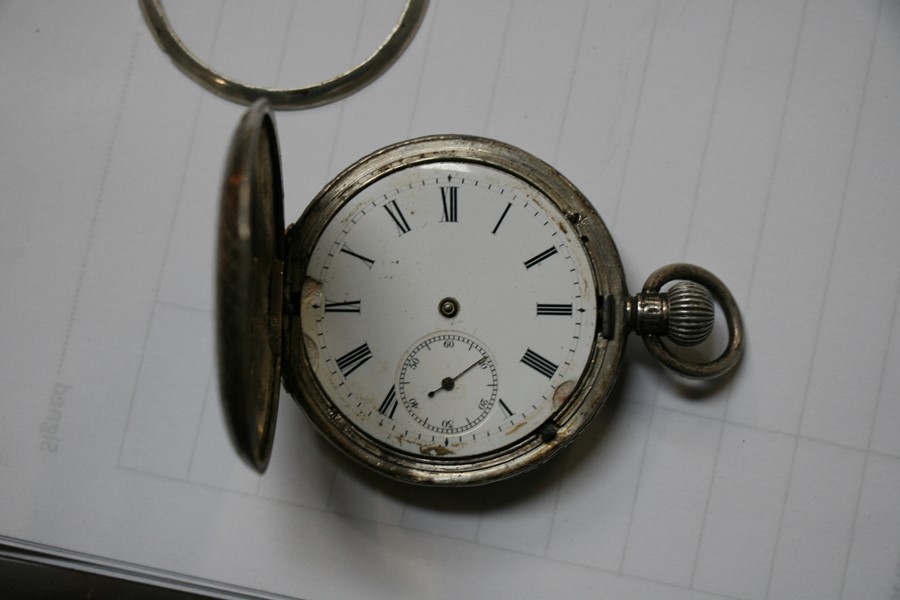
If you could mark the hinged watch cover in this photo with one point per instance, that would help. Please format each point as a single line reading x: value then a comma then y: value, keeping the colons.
x: 249, y: 280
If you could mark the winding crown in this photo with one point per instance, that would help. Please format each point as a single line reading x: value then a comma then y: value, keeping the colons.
x: 685, y: 313
x: 691, y: 313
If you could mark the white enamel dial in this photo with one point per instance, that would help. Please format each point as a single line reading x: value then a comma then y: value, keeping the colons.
x: 515, y: 343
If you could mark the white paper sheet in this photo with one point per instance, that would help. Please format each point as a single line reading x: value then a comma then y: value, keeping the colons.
x: 758, y: 139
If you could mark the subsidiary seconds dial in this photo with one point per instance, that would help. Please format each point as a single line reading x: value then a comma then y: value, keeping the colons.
x: 448, y: 383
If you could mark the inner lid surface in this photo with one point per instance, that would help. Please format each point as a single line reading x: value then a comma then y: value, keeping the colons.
x: 249, y: 277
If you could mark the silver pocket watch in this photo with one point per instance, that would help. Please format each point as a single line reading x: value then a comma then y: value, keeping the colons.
x: 449, y: 310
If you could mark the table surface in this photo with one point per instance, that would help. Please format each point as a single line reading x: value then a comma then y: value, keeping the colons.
x: 756, y: 139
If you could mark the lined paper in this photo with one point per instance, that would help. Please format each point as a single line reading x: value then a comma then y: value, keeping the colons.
x: 757, y: 139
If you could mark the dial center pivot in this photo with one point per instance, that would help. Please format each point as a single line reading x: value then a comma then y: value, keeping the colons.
x: 448, y: 307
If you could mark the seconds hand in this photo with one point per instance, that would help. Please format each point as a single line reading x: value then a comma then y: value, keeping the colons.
x: 448, y: 382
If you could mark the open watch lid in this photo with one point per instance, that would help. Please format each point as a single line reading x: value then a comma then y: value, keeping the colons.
x: 249, y: 279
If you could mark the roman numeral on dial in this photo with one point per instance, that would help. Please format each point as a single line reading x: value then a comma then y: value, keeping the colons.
x: 449, y: 199
x: 502, y: 216
x: 367, y: 261
x: 540, y: 257
x: 354, y: 359
x: 564, y: 310
x: 539, y: 363
x: 397, y: 216
x: 352, y: 306
x: 389, y: 405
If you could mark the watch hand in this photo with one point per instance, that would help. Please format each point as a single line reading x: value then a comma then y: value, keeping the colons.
x: 470, y: 367
x: 448, y: 382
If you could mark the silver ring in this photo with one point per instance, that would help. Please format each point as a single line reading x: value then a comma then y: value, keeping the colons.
x: 285, y: 98
x: 731, y: 356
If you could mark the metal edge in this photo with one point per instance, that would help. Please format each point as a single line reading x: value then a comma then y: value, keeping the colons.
x: 249, y: 275
x: 325, y: 92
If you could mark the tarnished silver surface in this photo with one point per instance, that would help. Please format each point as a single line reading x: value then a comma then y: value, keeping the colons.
x: 686, y: 315
x: 285, y: 98
x: 249, y: 275
x: 691, y: 313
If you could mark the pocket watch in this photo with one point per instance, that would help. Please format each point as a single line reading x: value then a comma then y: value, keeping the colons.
x: 449, y: 310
